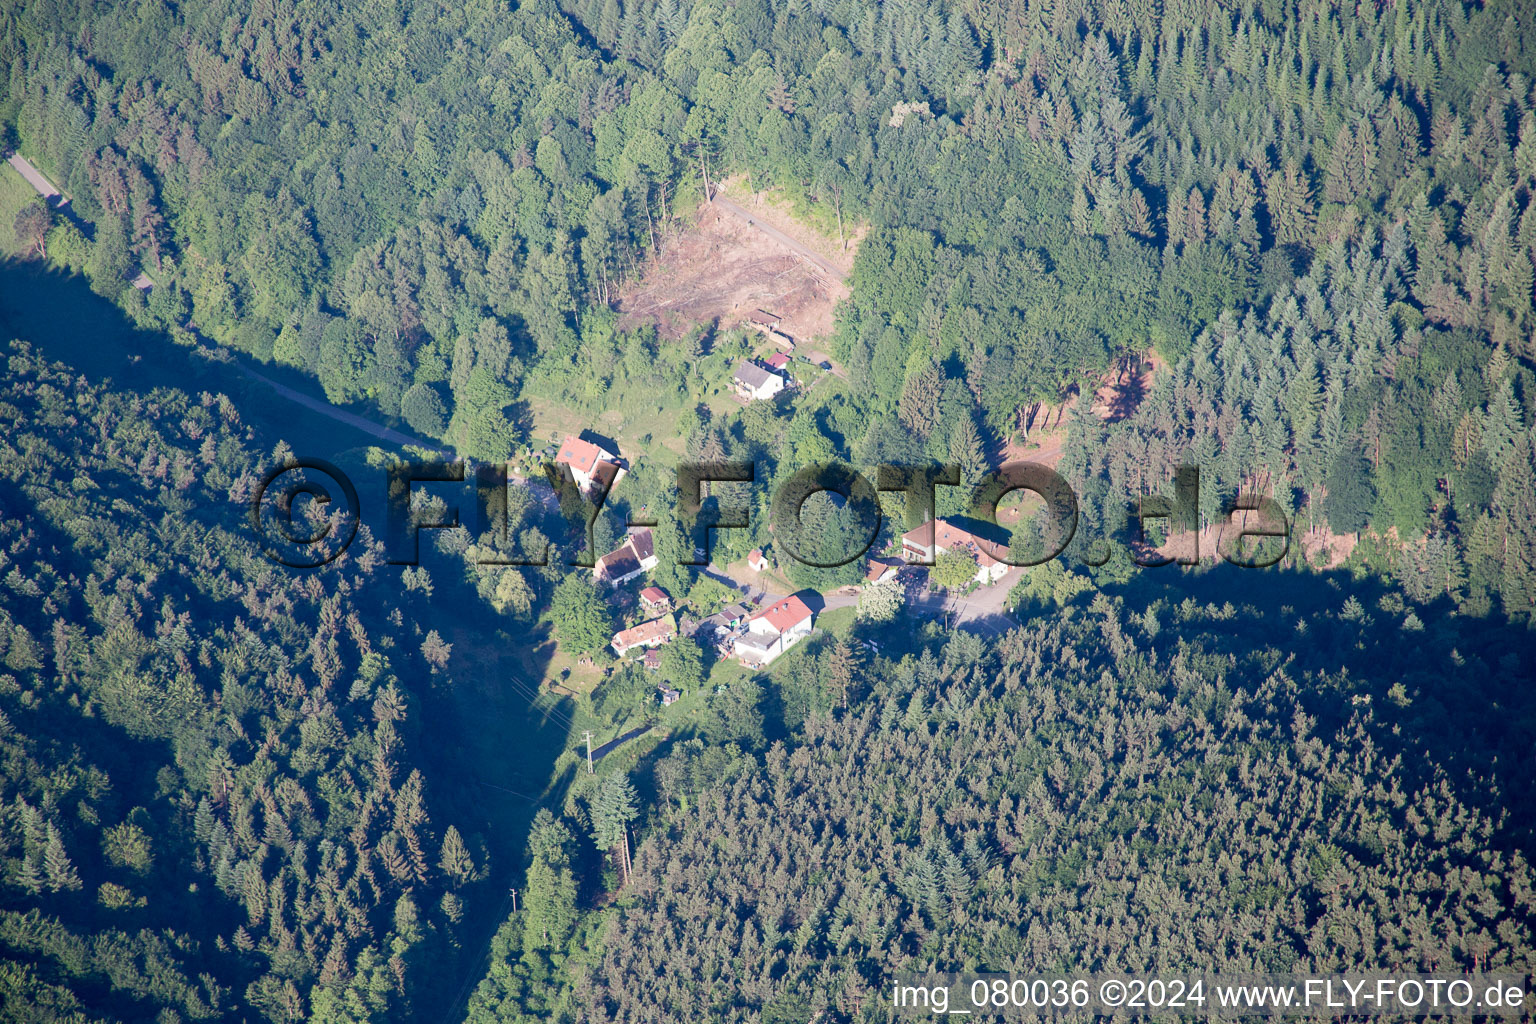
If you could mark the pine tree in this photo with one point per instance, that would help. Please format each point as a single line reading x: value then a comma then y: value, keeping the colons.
x: 1194, y: 217
x: 57, y: 867
x: 967, y: 450
x: 23, y: 654
x: 1514, y: 511
x: 29, y: 876
x: 1501, y: 426
x: 613, y: 807
x: 1289, y: 199
x: 455, y: 861
x: 609, y: 22
x: 842, y: 666
x: 1138, y: 217
x: 919, y: 406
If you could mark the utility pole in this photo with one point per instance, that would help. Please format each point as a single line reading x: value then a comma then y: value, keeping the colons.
x: 514, y: 899
x: 588, y: 734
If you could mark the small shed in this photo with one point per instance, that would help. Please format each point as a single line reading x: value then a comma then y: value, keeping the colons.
x: 763, y: 320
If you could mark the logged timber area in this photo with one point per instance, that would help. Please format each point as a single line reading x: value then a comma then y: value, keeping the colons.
x: 740, y: 258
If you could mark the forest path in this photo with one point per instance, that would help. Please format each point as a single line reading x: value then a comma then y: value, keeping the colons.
x: 351, y: 419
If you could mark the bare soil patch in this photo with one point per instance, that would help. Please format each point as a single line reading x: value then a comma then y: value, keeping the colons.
x: 722, y: 269
x: 772, y: 209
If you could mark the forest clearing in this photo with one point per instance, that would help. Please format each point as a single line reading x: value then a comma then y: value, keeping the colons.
x: 722, y: 269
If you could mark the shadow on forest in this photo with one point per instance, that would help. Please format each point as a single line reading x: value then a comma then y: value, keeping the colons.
x: 1467, y: 703
x: 487, y: 739
x: 59, y: 314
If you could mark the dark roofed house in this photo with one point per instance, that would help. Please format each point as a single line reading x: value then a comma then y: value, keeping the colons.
x: 636, y: 555
x: 618, y: 567
x: 644, y: 545
x: 752, y: 382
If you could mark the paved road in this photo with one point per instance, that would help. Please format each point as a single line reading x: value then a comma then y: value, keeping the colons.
x: 984, y: 609
x: 598, y: 752
x: 34, y: 177
x: 57, y: 200
x: 821, y: 262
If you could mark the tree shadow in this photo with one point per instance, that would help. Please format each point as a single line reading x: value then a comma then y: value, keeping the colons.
x: 58, y: 313
x: 487, y: 740
x: 1454, y: 691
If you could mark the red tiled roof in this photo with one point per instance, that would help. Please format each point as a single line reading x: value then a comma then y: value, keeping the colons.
x: 777, y: 361
x: 947, y: 537
x: 784, y: 613
x: 580, y: 455
x: 646, y: 632
x: 655, y: 595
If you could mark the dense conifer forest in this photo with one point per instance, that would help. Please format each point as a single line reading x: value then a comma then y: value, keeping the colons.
x: 234, y: 792
x: 212, y: 803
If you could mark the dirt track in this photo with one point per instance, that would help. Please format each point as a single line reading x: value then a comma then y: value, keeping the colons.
x: 826, y: 265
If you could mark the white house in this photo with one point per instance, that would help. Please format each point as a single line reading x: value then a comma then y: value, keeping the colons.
x: 593, y: 466
x: 635, y: 556
x: 881, y: 570
x: 773, y: 631
x: 988, y: 555
x: 753, y: 383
